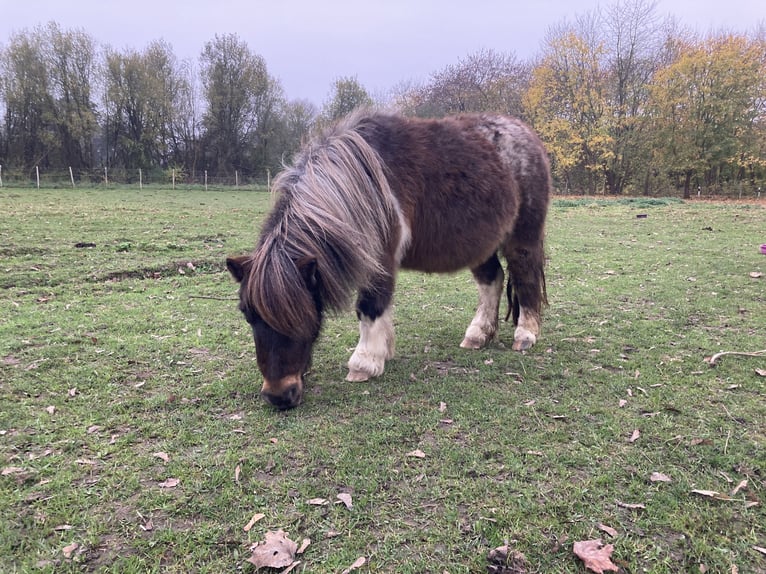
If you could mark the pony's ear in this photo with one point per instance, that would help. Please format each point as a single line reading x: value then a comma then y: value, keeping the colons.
x: 308, y: 270
x: 238, y: 267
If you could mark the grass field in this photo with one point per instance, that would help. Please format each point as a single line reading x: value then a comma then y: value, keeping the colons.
x: 132, y: 438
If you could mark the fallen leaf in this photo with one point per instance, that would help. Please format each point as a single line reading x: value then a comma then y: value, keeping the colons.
x: 345, y: 498
x: 70, y: 549
x: 62, y: 527
x: 8, y: 470
x: 608, y: 529
x: 304, y: 545
x: 446, y: 421
x: 276, y: 551
x: 659, y: 477
x: 237, y: 471
x: 317, y: 501
x: 634, y: 436
x: 256, y: 517
x: 631, y: 506
x: 622, y: 403
x: 148, y: 527
x: 169, y: 483
x: 756, y: 274
x: 595, y: 555
x: 50, y: 410
x: 417, y: 453
x: 505, y: 560
x: 291, y: 567
x: 93, y: 429
x: 759, y: 549
x: 163, y: 456
x: 358, y: 563
x: 442, y: 407
x: 72, y: 392
x: 760, y: 372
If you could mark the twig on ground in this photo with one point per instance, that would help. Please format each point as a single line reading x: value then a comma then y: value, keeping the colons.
x: 717, y: 356
x: 213, y: 297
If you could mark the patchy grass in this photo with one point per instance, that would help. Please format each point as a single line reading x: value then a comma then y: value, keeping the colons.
x: 108, y: 358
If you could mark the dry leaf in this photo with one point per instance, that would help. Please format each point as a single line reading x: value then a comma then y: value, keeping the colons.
x: 345, y: 498
x: 291, y: 567
x: 756, y: 274
x: 358, y: 563
x: 759, y: 549
x: 50, y: 410
x: 760, y: 372
x: 442, y: 407
x: 276, y: 551
x: 169, y: 483
x: 304, y: 545
x: 93, y: 428
x: 62, y: 527
x: 69, y: 550
x: 608, y: 529
x: 317, y: 501
x: 634, y: 436
x: 163, y: 456
x: 505, y: 560
x: 622, y: 403
x: 8, y: 470
x: 72, y: 392
x: 417, y: 453
x: 256, y: 517
x: 237, y: 471
x: 659, y: 477
x: 631, y: 506
x: 595, y: 555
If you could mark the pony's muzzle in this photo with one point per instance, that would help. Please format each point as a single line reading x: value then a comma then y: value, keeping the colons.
x: 287, y: 393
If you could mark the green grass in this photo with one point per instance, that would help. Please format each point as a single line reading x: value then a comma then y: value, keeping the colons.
x: 115, y: 340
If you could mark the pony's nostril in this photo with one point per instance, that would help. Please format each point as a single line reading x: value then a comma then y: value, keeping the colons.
x: 289, y: 399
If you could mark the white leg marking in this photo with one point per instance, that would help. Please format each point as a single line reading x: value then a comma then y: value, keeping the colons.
x: 484, y: 324
x: 376, y: 344
x: 527, y: 330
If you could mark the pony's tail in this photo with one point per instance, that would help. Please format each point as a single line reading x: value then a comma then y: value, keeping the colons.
x: 526, y: 280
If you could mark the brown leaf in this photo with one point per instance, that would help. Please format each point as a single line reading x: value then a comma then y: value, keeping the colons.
x: 358, y: 563
x: 70, y: 549
x: 256, y: 517
x: 634, y: 436
x: 756, y: 274
x: 304, y: 545
x: 608, y: 529
x: 163, y: 456
x: 622, y: 403
x: 50, y: 410
x: 442, y: 407
x: 760, y: 372
x: 417, y: 453
x: 8, y: 470
x: 317, y: 501
x: 742, y: 485
x: 345, y: 498
x: 595, y: 555
x: 62, y: 527
x: 659, y: 477
x: 276, y: 551
x: 237, y: 471
x: 505, y: 560
x: 170, y: 483
x: 711, y: 494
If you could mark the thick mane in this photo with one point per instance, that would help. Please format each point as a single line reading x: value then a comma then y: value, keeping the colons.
x: 336, y: 209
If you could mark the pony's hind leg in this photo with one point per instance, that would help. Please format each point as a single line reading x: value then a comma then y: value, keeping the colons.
x: 526, y: 291
x: 489, y: 279
x: 376, y: 333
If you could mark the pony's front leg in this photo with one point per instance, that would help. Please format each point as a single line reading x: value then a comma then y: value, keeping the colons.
x: 489, y: 279
x: 376, y: 335
x: 376, y: 346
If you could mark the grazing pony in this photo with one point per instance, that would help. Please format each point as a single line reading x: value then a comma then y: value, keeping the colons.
x: 378, y: 192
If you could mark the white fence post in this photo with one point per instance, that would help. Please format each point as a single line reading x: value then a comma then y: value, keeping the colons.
x: 71, y: 176
x: 106, y: 176
x: 205, y: 180
x: 140, y: 179
x: 1, y: 175
x: 174, y: 179
x: 37, y: 174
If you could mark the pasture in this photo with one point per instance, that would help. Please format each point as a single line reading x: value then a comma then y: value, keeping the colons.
x: 132, y: 437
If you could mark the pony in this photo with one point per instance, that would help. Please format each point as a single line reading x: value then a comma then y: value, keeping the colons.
x: 378, y: 192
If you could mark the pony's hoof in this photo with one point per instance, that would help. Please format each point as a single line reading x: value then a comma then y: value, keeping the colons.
x: 523, y: 340
x: 471, y: 343
x: 355, y: 376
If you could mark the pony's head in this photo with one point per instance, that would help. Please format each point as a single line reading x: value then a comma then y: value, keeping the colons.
x: 284, y: 311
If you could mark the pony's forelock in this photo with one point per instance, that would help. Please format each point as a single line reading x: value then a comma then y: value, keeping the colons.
x: 334, y: 208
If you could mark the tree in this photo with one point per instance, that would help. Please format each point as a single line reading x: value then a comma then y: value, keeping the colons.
x: 241, y: 103
x: 347, y: 95
x: 486, y: 81
x: 706, y: 105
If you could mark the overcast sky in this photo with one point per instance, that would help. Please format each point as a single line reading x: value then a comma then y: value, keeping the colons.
x: 309, y: 43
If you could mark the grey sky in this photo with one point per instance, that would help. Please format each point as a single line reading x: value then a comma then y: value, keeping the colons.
x: 309, y: 43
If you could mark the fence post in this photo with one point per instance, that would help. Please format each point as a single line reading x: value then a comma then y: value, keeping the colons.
x: 71, y: 176
x: 37, y: 174
x: 205, y: 180
x: 106, y: 176
x: 1, y: 175
x: 236, y: 178
x: 140, y: 179
x: 174, y: 179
